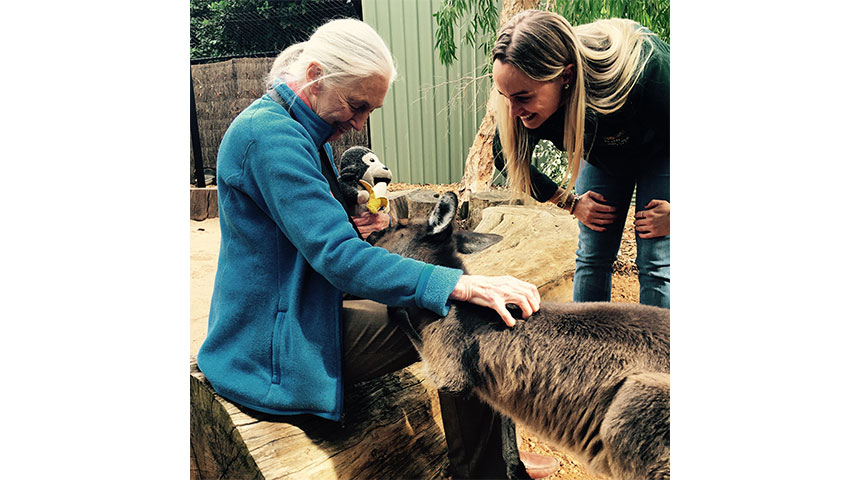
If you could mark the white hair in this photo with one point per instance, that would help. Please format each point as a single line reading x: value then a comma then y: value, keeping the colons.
x: 346, y: 49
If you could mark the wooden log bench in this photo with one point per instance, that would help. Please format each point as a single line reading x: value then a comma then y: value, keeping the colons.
x: 392, y: 430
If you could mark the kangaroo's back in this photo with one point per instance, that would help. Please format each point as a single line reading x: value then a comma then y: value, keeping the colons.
x: 591, y: 378
x: 611, y: 336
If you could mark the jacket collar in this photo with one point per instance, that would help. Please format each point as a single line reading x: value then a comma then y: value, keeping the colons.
x: 318, y: 129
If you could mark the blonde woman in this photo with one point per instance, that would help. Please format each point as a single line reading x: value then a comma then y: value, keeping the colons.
x: 600, y: 92
x: 281, y: 338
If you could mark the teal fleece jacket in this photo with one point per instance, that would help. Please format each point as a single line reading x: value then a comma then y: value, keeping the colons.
x: 288, y: 253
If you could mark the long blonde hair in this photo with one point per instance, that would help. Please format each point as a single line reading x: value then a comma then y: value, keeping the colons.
x: 608, y: 57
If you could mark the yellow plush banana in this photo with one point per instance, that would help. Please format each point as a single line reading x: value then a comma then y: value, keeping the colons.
x: 378, y: 200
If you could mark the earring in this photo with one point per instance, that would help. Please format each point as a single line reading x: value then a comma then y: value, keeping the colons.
x: 566, y: 86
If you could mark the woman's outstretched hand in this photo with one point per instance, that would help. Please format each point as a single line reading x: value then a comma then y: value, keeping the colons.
x: 594, y: 211
x: 653, y: 221
x: 368, y: 223
x: 496, y: 292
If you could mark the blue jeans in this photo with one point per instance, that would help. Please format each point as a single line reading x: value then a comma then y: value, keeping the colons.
x: 592, y: 280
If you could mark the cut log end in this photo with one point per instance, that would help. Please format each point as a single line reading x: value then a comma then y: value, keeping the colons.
x: 421, y: 203
x: 392, y: 430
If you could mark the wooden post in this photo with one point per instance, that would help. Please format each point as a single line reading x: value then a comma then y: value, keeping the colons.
x: 195, y: 141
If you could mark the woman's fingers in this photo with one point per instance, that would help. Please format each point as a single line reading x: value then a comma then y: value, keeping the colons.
x: 528, y: 297
x: 505, y: 314
x: 603, y: 209
x: 653, y: 220
x: 368, y: 223
x: 596, y: 196
x: 496, y: 292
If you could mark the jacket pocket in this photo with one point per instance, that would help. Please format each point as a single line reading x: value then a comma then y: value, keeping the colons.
x: 278, y: 339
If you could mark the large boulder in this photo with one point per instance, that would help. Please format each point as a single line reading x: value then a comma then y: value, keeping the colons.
x: 539, y: 246
x: 480, y: 201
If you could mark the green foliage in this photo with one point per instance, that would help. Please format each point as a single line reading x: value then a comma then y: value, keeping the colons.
x: 653, y: 14
x: 245, y: 27
x: 550, y: 160
x: 485, y: 21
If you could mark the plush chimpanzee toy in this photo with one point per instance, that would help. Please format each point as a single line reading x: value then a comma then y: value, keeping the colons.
x: 363, y: 180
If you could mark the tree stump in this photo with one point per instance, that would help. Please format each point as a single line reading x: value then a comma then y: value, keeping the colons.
x: 492, y: 198
x: 204, y: 203
x: 212, y: 199
x: 398, y: 204
x: 420, y: 203
x: 392, y: 430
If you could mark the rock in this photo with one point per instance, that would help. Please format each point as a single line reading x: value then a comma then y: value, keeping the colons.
x: 539, y: 246
x: 481, y: 200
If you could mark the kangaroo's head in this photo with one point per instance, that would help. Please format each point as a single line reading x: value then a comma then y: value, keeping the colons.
x: 434, y: 239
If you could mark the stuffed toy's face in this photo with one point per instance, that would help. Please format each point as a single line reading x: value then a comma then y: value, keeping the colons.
x: 364, y: 179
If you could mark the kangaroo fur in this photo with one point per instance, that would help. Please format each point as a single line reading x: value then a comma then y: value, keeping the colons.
x: 590, y: 378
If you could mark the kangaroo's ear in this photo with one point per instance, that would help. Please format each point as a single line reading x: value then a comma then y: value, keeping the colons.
x: 443, y: 215
x: 471, y: 242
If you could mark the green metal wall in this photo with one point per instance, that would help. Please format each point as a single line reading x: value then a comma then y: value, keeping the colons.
x: 428, y: 120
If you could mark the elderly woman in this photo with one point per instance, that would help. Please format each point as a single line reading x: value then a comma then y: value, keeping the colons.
x: 281, y: 339
x: 599, y: 91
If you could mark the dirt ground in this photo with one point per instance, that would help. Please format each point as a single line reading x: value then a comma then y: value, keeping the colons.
x: 205, y: 239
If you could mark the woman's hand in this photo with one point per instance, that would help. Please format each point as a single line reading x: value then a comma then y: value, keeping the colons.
x: 368, y: 223
x: 594, y: 211
x: 653, y: 221
x: 496, y: 292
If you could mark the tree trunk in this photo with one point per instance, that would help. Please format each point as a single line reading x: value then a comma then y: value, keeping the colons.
x: 392, y: 430
x: 478, y: 171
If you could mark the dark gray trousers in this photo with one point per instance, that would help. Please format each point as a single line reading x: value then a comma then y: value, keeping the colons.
x: 481, y: 442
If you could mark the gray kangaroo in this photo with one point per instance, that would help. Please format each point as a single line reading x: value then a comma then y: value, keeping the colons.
x: 591, y: 378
